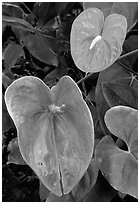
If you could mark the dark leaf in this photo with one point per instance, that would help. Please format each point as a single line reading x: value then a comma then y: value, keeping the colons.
x: 11, y: 54
x: 85, y: 185
x: 102, y: 191
x: 119, y: 94
x: 120, y: 167
x: 127, y: 9
x: 6, y: 81
x: 53, y: 77
x: 41, y: 47
x: 63, y: 198
x: 45, y: 11
x: 15, y: 156
x: 113, y: 73
x: 12, y: 10
x: 18, y: 23
x: 129, y: 45
x: 7, y: 122
x: 43, y: 192
x: 129, y: 81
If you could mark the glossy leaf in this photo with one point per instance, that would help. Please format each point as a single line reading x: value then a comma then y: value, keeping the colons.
x: 97, y: 43
x: 119, y: 94
x: 41, y: 47
x: 11, y: 54
x: 127, y: 9
x: 120, y: 167
x: 52, y: 140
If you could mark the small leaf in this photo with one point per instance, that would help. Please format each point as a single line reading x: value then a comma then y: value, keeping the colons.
x: 119, y: 94
x: 120, y: 167
x: 87, y: 182
x: 64, y: 198
x: 97, y: 43
x: 15, y: 156
x: 7, y: 122
x: 102, y: 191
x: 6, y: 81
x: 43, y: 192
x: 41, y: 47
x: 11, y: 54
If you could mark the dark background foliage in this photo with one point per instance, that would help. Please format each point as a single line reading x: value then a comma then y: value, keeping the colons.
x: 36, y: 42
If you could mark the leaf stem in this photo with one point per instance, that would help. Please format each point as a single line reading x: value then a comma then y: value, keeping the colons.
x: 121, y: 57
x: 127, y: 54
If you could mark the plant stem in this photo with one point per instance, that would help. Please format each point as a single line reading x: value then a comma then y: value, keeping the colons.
x: 127, y: 54
x: 121, y: 57
x: 84, y: 78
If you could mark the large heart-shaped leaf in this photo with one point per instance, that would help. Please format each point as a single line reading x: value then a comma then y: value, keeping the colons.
x: 97, y: 43
x: 120, y: 167
x: 127, y: 9
x: 55, y: 130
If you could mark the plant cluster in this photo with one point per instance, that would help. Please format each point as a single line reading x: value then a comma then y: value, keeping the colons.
x: 70, y: 101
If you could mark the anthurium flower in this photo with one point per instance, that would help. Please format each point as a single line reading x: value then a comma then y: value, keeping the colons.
x: 55, y: 130
x: 96, y: 43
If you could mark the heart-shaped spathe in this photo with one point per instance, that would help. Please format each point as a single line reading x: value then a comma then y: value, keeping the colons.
x: 55, y: 130
x: 97, y: 43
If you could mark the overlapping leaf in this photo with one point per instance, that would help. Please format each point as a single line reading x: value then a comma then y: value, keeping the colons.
x: 120, y: 167
x: 41, y: 47
x: 115, y: 73
x: 119, y: 94
x: 11, y: 54
x: 14, y: 155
